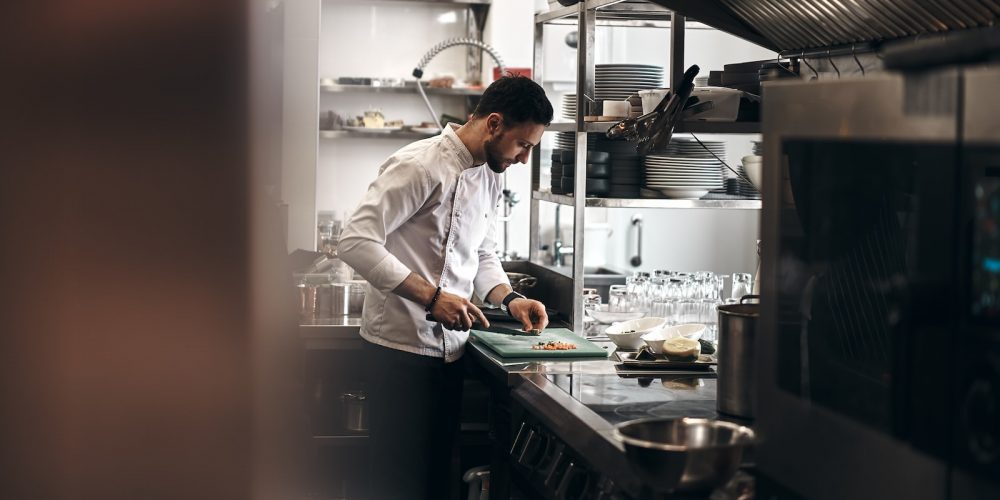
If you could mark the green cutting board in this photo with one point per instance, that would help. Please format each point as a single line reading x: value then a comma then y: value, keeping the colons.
x: 517, y: 346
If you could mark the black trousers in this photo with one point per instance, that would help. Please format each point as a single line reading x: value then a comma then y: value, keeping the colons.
x: 415, y: 403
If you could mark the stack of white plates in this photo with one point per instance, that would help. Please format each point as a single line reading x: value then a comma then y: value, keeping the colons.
x: 569, y: 106
x: 757, y: 148
x: 683, y: 177
x: 690, y: 148
x: 619, y: 81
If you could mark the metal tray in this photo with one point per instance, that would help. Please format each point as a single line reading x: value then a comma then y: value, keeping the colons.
x: 628, y: 361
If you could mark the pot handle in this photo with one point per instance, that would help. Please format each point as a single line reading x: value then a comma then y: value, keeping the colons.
x: 527, y: 281
x: 749, y: 297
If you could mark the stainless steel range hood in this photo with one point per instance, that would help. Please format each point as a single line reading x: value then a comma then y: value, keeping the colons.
x: 792, y: 25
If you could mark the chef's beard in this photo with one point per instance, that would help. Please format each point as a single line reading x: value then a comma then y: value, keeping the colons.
x: 493, y: 157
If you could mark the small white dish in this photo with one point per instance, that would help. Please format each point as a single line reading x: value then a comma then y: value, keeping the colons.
x: 692, y: 331
x: 628, y: 334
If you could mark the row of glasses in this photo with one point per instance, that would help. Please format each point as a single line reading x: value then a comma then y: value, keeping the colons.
x: 679, y: 297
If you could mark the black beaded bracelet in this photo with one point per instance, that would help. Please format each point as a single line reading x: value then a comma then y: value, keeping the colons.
x: 437, y: 293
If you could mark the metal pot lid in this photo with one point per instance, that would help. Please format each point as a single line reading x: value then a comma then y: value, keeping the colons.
x: 740, y: 310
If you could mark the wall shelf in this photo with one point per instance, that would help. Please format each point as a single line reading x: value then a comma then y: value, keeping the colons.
x: 357, y: 134
x: 334, y: 88
x: 568, y: 200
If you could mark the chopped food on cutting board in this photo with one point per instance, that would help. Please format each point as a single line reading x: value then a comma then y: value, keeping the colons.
x: 553, y: 345
x: 682, y: 349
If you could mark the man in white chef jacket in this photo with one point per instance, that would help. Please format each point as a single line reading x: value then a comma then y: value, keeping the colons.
x: 423, y: 238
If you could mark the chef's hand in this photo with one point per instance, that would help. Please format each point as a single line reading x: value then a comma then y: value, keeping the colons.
x: 531, y: 313
x: 457, y: 313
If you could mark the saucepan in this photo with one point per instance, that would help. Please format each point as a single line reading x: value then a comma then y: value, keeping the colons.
x: 521, y: 282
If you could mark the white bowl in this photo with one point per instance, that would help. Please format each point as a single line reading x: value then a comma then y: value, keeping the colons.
x: 628, y: 334
x: 754, y: 167
x: 655, y: 341
x: 651, y: 98
x: 602, y: 315
x: 629, y: 341
x: 693, y: 331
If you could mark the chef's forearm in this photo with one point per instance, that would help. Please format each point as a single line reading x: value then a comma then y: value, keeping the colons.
x: 417, y: 289
x: 497, y: 294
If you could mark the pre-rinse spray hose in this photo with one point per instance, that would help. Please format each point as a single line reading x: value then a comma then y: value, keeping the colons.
x: 418, y: 72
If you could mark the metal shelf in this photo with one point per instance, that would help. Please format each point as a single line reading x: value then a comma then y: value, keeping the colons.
x: 683, y: 127
x: 563, y: 199
x: 611, y: 13
x: 405, y: 89
x: 399, y: 134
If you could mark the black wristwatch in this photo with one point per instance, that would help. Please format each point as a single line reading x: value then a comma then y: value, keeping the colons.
x: 505, y: 303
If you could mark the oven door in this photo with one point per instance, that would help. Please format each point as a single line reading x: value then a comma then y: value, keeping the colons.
x: 859, y: 285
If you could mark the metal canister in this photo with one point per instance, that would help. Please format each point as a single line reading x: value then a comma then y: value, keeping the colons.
x: 356, y: 301
x: 355, y: 411
x: 341, y: 299
x: 737, y: 333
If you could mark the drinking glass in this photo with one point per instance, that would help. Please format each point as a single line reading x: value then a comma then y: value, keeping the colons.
x: 618, y: 299
x: 742, y: 285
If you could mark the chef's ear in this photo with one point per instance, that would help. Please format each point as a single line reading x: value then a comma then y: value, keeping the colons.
x: 494, y: 122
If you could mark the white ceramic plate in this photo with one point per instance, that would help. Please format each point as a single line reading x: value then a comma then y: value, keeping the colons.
x: 684, y: 194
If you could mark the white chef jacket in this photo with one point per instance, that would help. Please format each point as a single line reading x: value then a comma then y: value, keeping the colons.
x: 431, y: 211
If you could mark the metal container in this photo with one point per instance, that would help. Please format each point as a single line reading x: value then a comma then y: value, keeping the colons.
x: 686, y: 454
x: 520, y: 282
x: 340, y: 299
x: 737, y: 331
x: 356, y: 301
x: 355, y: 411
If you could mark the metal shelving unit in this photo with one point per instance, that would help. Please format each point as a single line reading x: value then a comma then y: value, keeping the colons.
x: 588, y: 14
x: 570, y: 200
x: 696, y: 127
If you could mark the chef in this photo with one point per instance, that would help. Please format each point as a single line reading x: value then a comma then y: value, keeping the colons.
x: 423, y: 238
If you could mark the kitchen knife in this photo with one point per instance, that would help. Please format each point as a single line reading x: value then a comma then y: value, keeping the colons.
x: 496, y: 329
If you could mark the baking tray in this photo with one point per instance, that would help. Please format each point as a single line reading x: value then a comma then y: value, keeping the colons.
x: 627, y: 360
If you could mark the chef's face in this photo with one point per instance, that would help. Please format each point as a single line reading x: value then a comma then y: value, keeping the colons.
x: 507, y: 145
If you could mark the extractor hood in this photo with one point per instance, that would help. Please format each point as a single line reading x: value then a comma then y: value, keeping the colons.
x: 793, y: 25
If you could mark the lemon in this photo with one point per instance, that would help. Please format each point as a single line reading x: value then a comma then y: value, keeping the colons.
x: 682, y: 349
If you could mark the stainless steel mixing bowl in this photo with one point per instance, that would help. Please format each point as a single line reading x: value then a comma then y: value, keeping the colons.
x: 686, y: 454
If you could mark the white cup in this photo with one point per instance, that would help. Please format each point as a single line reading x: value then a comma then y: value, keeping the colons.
x: 616, y: 108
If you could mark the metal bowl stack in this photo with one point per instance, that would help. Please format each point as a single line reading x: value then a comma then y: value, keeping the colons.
x: 686, y: 454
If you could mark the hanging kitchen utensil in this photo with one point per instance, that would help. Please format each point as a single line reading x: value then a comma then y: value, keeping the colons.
x: 653, y: 130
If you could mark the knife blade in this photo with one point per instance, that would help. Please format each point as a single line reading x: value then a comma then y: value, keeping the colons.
x: 496, y: 329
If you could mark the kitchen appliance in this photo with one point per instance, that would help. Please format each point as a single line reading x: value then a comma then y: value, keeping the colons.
x: 737, y: 334
x: 879, y: 346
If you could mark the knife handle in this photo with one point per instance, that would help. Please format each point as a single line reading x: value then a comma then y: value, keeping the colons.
x: 430, y: 317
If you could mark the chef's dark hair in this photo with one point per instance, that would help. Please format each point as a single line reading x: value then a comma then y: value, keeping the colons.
x: 518, y: 99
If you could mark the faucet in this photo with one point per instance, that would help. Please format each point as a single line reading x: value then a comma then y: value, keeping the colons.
x: 559, y: 251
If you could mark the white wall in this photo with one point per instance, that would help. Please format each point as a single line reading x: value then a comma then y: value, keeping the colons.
x: 300, y: 119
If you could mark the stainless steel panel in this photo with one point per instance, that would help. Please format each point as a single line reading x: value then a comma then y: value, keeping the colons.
x: 982, y: 122
x: 876, y: 108
x: 873, y: 107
